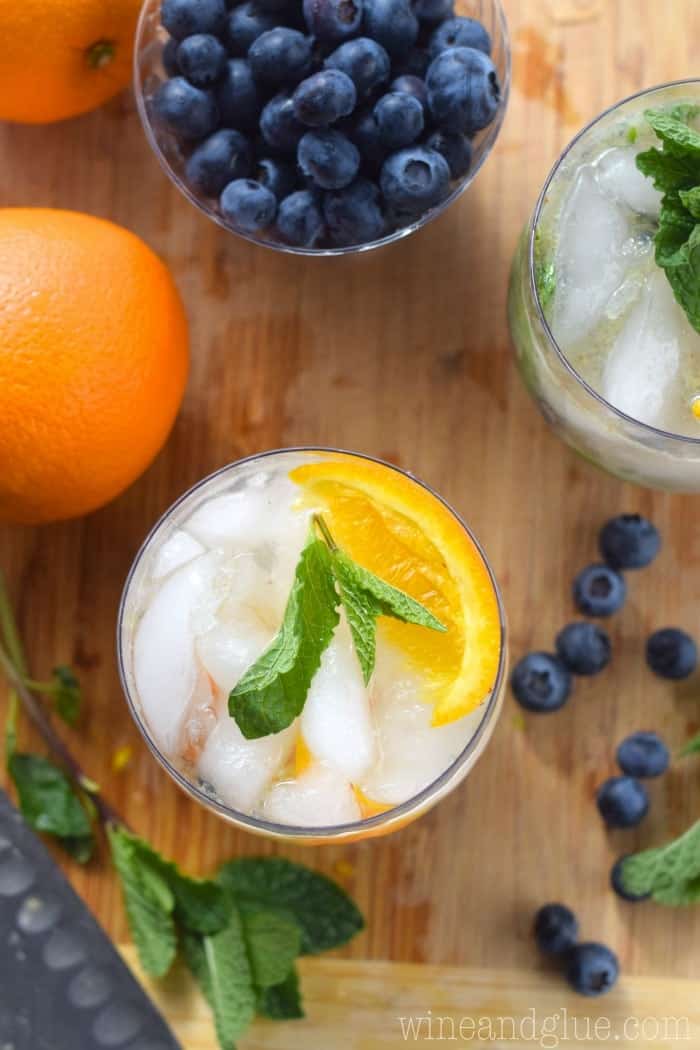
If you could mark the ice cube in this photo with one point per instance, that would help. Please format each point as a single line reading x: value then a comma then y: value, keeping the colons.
x: 641, y: 373
x: 176, y: 551
x: 319, y: 797
x: 165, y: 669
x: 335, y: 722
x: 621, y: 180
x: 589, y: 264
x: 227, y: 650
x: 251, y: 518
x: 240, y: 770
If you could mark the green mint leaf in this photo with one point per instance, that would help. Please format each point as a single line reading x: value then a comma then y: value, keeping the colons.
x: 691, y: 201
x: 668, y: 172
x: 685, y: 111
x: 283, y: 1001
x: 677, y: 136
x: 149, y: 904
x: 271, y: 694
x: 273, y: 943
x: 691, y: 748
x: 361, y: 612
x: 49, y: 803
x: 671, y: 873
x: 67, y: 694
x: 682, y: 268
x: 220, y: 965
x: 325, y: 913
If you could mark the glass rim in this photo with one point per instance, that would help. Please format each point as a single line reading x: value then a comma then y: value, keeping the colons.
x: 685, y: 439
x: 486, y: 145
x: 357, y: 828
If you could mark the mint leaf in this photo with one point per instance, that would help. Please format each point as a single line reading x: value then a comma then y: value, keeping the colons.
x: 677, y: 136
x: 67, y: 694
x: 49, y: 803
x: 671, y: 873
x: 271, y: 694
x: 667, y: 172
x: 282, y: 1002
x: 691, y: 200
x: 325, y: 913
x: 273, y: 943
x: 220, y: 965
x: 682, y: 268
x: 691, y: 748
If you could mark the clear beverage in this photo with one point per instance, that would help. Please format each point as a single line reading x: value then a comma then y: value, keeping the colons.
x: 601, y: 342
x: 207, y: 594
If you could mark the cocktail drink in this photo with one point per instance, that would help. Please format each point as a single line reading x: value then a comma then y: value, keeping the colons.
x: 312, y: 644
x: 604, y: 299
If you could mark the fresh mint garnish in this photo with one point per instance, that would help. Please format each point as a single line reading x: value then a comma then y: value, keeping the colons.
x: 283, y: 1001
x: 273, y: 941
x: 675, y: 171
x: 67, y: 694
x: 670, y: 874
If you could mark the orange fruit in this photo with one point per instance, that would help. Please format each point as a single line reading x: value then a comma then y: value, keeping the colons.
x: 60, y: 58
x: 93, y: 361
x: 400, y: 531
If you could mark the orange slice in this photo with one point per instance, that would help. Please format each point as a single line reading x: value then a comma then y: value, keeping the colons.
x: 368, y: 807
x: 400, y: 531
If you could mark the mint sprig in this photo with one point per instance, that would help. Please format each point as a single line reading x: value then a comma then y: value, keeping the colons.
x: 692, y: 747
x: 669, y: 874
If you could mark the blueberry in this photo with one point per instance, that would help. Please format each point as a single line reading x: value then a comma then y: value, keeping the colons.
x: 237, y: 96
x: 460, y: 32
x: 671, y: 653
x: 455, y: 148
x: 643, y: 755
x: 299, y: 219
x: 392, y: 23
x: 414, y: 63
x: 365, y: 61
x: 169, y: 57
x: 599, y: 591
x: 409, y: 85
x: 629, y: 542
x: 414, y: 179
x: 248, y: 206
x: 541, y: 683
x: 433, y: 10
x: 224, y: 156
x: 245, y: 24
x: 328, y: 158
x: 280, y: 56
x: 556, y: 929
x: 622, y: 802
x: 185, y: 17
x: 592, y: 969
x: 463, y: 90
x: 186, y: 110
x: 278, y: 176
x: 202, y: 59
x: 363, y: 131
x: 353, y: 215
x: 279, y: 126
x: 333, y: 20
x: 399, y: 118
x: 324, y: 97
x: 583, y: 647
x: 618, y: 885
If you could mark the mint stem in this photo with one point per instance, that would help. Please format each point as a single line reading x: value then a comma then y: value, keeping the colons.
x: 325, y: 532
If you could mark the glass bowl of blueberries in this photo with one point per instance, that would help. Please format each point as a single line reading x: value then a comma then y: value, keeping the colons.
x: 322, y: 127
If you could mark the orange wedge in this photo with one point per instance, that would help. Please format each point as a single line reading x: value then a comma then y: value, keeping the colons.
x: 368, y: 807
x: 397, y: 529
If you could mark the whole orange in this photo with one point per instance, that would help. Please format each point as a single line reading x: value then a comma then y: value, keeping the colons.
x: 93, y: 361
x: 63, y: 57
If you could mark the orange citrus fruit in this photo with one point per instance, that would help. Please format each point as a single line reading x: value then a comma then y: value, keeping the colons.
x: 93, y: 361
x: 400, y: 531
x: 60, y: 58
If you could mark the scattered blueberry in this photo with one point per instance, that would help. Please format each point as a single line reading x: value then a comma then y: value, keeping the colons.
x: 556, y: 929
x: 671, y: 653
x: 169, y: 57
x: 408, y: 84
x: 622, y: 802
x: 392, y: 23
x: 463, y: 90
x: 328, y: 158
x: 224, y: 156
x: 363, y: 131
x: 279, y: 125
x: 299, y: 219
x: 433, y: 10
x: 592, y: 969
x: 324, y: 97
x: 333, y: 20
x: 353, y: 215
x: 415, y: 178
x: 245, y: 24
x: 460, y: 32
x: 202, y: 59
x: 278, y: 176
x: 541, y: 683
x: 365, y: 61
x: 643, y: 755
x: 249, y: 206
x: 599, y: 591
x: 280, y: 56
x: 618, y: 885
x: 455, y: 148
x: 584, y: 647
x: 399, y: 118
x: 186, y: 110
x: 629, y: 542
x: 237, y: 96
x: 185, y: 17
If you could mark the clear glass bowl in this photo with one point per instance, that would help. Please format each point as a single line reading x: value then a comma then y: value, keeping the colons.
x: 601, y: 433
x: 392, y: 819
x: 149, y: 73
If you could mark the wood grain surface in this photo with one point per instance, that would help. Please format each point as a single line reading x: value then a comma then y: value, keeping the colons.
x: 404, y: 354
